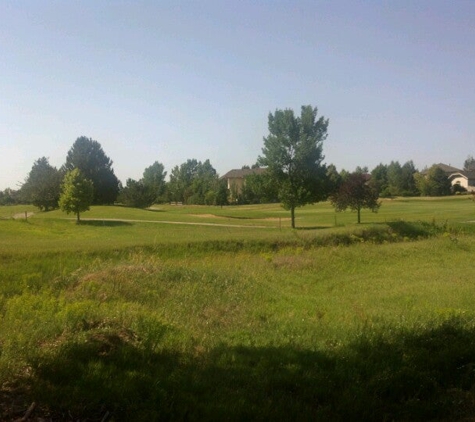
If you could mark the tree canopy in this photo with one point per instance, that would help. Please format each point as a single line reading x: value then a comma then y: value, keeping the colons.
x: 88, y: 156
x: 136, y: 194
x: 469, y: 163
x: 154, y: 179
x: 193, y: 182
x: 434, y: 182
x: 293, y: 156
x: 77, y: 193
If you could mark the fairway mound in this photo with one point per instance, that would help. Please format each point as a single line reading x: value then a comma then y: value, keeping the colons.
x: 206, y: 216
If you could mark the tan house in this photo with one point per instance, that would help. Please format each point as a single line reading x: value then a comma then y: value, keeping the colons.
x: 465, y: 179
x: 236, y: 178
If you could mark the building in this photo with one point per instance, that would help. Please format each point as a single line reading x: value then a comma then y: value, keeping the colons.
x: 458, y: 177
x: 464, y: 179
x: 236, y: 178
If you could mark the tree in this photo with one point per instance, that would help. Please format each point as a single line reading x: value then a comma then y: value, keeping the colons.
x: 222, y: 193
x: 333, y: 179
x: 394, y: 179
x: 204, y: 183
x: 77, y: 193
x: 469, y: 164
x: 137, y: 194
x: 10, y: 197
x: 193, y: 182
x: 379, y: 180
x: 42, y: 186
x: 434, y: 182
x: 88, y: 156
x: 394, y: 176
x: 258, y: 188
x: 293, y: 155
x: 356, y: 193
x: 154, y: 179
x: 408, y: 182
x: 181, y: 178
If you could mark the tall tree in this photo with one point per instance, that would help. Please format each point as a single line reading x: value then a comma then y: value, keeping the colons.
x: 204, y: 184
x: 154, y: 179
x: 193, y: 182
x: 469, y: 164
x: 408, y: 182
x: 88, y: 156
x: 42, y: 186
x: 293, y: 155
x: 356, y: 193
x: 222, y: 193
x: 77, y: 193
x: 181, y: 178
x: 394, y: 175
x: 379, y: 179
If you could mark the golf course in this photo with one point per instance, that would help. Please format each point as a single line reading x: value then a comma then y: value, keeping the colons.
x: 182, y: 312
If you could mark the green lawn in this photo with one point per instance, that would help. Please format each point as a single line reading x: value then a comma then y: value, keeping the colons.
x: 157, y: 321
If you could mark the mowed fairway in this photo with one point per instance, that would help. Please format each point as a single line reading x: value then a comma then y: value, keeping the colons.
x: 207, y: 313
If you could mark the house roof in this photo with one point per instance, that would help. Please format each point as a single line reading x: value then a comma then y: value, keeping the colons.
x: 448, y: 169
x: 241, y: 173
x: 469, y: 175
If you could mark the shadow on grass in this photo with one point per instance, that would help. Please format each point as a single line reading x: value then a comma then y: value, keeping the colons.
x: 426, y: 375
x: 104, y: 223
x: 138, y: 208
x: 415, y: 229
x: 312, y: 228
x: 153, y: 210
x: 237, y: 217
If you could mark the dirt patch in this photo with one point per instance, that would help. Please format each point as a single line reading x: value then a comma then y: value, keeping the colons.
x: 21, y: 215
x: 241, y: 218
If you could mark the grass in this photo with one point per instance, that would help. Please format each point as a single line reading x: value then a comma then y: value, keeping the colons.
x: 154, y: 321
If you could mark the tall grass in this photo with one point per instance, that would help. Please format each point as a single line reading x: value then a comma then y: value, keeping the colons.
x: 142, y: 321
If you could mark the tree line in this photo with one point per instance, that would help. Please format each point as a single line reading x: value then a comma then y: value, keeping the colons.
x: 294, y: 175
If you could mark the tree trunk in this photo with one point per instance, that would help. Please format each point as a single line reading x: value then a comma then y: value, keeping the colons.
x: 292, y: 216
x: 77, y: 218
x: 359, y: 215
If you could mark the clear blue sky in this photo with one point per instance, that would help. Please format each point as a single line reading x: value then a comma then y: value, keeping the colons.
x: 170, y: 80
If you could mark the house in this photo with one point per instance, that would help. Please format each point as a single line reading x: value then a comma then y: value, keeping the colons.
x: 458, y: 177
x: 236, y: 178
x: 464, y: 179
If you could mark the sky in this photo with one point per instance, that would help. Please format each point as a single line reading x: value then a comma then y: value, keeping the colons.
x: 174, y: 80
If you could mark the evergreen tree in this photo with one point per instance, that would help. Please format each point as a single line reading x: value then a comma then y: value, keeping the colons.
x: 42, y: 186
x: 137, y: 194
x: 88, y: 156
